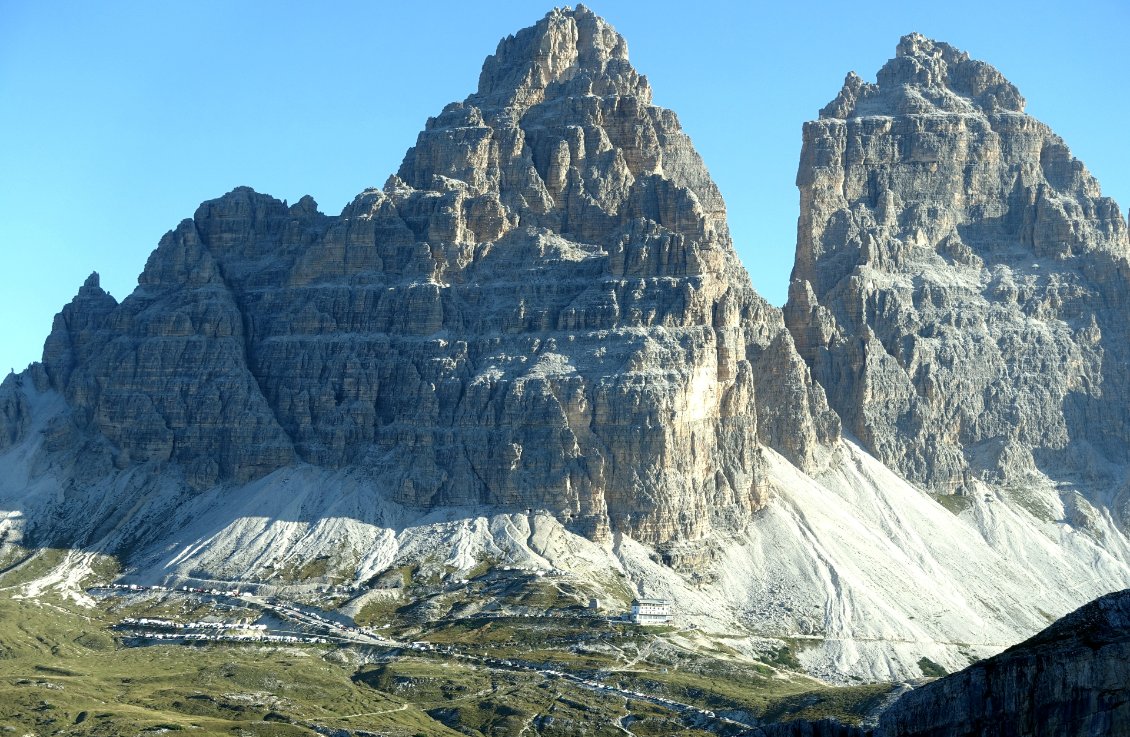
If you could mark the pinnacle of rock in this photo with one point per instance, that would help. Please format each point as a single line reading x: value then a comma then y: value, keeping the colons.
x: 562, y: 132
x: 926, y: 77
x: 567, y: 53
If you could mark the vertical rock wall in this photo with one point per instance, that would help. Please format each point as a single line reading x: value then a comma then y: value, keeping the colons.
x: 960, y: 286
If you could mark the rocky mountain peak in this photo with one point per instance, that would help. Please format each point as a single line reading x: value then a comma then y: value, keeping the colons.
x: 575, y: 51
x: 85, y: 313
x: 926, y: 76
x: 960, y: 281
x: 541, y: 310
x: 562, y: 134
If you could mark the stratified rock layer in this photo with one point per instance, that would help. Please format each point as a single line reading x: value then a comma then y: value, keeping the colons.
x: 541, y: 309
x: 1071, y: 680
x: 961, y: 285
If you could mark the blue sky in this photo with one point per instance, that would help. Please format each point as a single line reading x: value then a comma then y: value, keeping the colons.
x: 118, y: 118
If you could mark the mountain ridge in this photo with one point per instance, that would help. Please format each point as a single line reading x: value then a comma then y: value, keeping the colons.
x: 536, y: 344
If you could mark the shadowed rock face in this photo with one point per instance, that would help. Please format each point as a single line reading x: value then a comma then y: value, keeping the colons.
x: 541, y: 309
x: 1071, y: 680
x: 960, y: 286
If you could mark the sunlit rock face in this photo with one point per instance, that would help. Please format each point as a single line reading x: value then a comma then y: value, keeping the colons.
x: 541, y: 309
x: 961, y: 286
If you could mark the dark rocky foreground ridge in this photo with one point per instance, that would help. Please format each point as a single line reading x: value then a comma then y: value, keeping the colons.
x: 1071, y: 680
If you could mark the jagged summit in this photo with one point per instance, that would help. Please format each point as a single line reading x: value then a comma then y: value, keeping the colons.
x: 574, y: 49
x: 926, y: 76
x: 562, y: 134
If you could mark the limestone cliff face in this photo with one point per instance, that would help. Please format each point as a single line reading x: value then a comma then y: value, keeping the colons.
x: 541, y: 309
x: 961, y: 285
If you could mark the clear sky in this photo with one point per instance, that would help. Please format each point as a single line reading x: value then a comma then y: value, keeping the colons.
x: 118, y: 118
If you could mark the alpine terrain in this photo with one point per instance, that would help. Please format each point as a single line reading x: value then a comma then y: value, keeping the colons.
x: 530, y: 371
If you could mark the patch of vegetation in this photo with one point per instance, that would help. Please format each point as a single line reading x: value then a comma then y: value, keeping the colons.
x: 847, y: 704
x: 172, y: 605
x: 954, y: 503
x: 473, y: 700
x: 787, y: 656
x: 332, y: 570
x: 613, y: 589
x: 408, y: 574
x: 63, y: 663
x: 930, y: 669
x: 65, y: 670
x: 784, y: 657
x: 379, y: 611
x: 718, y: 688
x: 26, y: 565
x: 482, y: 568
x: 314, y: 568
x: 517, y: 635
x: 97, y: 640
x: 1031, y: 503
x: 538, y: 593
x: 104, y: 569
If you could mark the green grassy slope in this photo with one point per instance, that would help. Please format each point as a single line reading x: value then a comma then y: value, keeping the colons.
x: 64, y: 670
